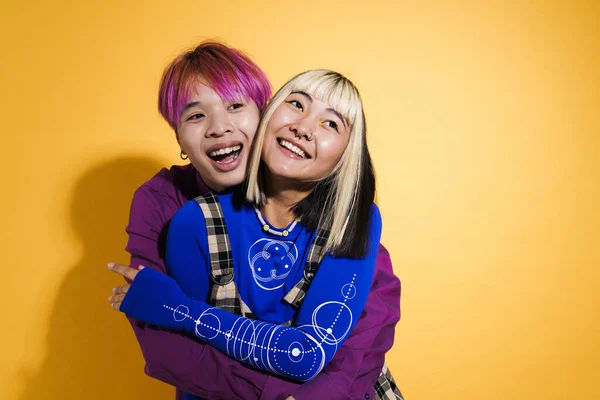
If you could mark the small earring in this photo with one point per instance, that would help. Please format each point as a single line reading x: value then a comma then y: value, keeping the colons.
x: 183, y: 155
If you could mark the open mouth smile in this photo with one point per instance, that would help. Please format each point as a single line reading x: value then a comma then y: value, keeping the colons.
x: 292, y: 150
x: 225, y: 155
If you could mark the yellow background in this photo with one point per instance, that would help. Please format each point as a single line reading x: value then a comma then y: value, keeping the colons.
x: 485, y: 131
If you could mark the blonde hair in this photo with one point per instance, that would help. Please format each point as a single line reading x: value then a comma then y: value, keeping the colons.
x: 344, y: 181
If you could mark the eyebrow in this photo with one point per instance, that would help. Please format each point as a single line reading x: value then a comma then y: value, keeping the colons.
x: 304, y: 94
x: 329, y: 109
x: 190, y: 105
x: 338, y: 115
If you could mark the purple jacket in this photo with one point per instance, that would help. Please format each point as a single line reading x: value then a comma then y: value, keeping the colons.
x: 196, y: 368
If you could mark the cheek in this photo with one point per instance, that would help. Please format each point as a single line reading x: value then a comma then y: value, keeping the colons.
x: 190, y: 137
x: 248, y: 123
x: 332, y: 147
x: 270, y: 132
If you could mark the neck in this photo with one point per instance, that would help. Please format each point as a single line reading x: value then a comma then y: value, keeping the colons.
x: 202, y: 183
x: 282, y: 196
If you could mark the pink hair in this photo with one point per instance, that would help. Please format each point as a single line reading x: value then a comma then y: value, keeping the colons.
x: 228, y: 71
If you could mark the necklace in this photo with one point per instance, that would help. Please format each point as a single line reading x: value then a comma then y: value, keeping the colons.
x: 267, y: 228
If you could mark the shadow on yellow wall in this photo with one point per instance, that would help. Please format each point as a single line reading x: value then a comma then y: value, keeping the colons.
x: 92, y: 354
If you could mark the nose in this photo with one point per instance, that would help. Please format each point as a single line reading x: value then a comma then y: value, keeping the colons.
x: 220, y: 125
x: 304, y: 128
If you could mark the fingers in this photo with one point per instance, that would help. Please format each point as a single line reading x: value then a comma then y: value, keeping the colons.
x: 119, y: 292
x: 121, y: 289
x: 116, y: 301
x: 124, y: 270
x: 116, y: 298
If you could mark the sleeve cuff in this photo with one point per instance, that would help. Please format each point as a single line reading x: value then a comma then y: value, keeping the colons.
x: 136, y: 290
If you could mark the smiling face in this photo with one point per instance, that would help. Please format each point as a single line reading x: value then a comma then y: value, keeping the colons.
x: 217, y: 134
x: 314, y: 129
x: 304, y: 139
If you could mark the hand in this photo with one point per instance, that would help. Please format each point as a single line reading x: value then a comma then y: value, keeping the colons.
x: 120, y: 291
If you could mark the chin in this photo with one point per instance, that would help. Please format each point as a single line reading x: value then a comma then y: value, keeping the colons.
x: 284, y: 173
x: 220, y: 181
x: 231, y: 179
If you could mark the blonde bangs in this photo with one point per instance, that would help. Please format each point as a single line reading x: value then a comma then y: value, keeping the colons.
x: 331, y: 89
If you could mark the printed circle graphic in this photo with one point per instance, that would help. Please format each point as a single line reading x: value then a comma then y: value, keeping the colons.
x: 332, y: 331
x: 296, y: 352
x: 271, y: 261
x: 349, y: 291
x: 243, y: 346
x: 210, y: 321
x: 181, y: 313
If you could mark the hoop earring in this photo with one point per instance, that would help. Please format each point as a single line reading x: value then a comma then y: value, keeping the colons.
x: 183, y: 155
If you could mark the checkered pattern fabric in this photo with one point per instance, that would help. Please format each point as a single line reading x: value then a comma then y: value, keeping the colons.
x: 385, y: 387
x: 224, y: 292
x: 295, y: 296
x: 221, y: 260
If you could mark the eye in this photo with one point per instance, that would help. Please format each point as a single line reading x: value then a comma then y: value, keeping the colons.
x: 296, y: 104
x: 332, y: 124
x: 195, y: 116
x: 235, y: 106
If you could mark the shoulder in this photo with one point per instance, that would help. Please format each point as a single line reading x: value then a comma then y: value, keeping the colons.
x: 375, y: 221
x: 190, y: 214
x: 164, y: 190
x: 170, y: 181
x: 188, y: 222
x: 375, y: 213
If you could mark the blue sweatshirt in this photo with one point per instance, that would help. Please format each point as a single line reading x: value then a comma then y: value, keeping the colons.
x: 266, y: 267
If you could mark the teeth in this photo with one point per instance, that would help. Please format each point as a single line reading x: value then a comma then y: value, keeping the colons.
x: 293, y: 148
x: 224, y: 151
